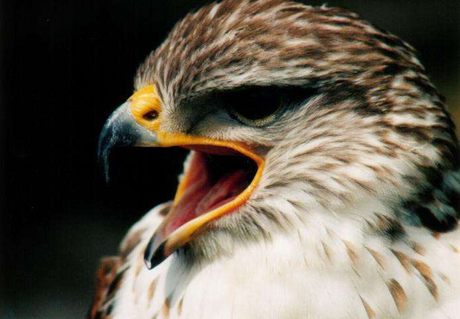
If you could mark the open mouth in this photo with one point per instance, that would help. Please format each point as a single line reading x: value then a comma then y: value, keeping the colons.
x: 215, y: 177
x: 220, y: 177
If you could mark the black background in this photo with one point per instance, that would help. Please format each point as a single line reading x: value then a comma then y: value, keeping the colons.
x: 65, y: 66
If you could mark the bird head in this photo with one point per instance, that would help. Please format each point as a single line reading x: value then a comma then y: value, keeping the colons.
x: 289, y: 111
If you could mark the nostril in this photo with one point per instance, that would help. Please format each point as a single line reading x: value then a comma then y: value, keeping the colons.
x: 150, y: 116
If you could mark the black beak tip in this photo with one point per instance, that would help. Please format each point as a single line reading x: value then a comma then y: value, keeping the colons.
x: 154, y: 256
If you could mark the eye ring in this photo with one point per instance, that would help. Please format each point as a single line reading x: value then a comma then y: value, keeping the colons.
x: 259, y: 122
x: 254, y: 106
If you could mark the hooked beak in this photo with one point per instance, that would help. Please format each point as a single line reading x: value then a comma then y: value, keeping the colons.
x: 121, y: 130
x: 220, y: 177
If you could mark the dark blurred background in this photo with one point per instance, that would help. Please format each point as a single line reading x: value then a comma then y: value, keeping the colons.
x: 65, y: 65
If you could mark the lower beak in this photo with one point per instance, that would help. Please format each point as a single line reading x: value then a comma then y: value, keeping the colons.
x: 123, y: 129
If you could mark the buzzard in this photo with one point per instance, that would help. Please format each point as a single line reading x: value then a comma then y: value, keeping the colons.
x: 322, y: 180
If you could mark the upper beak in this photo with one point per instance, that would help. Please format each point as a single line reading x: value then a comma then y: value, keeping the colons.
x: 127, y: 125
x: 137, y: 123
x: 121, y: 130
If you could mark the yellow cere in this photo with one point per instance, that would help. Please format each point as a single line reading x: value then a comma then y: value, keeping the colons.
x: 146, y: 107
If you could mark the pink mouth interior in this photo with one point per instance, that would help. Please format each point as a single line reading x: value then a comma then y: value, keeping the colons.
x: 215, y: 177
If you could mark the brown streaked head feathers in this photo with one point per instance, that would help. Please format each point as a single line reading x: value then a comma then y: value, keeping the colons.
x: 364, y: 75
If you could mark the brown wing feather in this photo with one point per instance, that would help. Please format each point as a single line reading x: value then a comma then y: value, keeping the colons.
x: 108, y: 281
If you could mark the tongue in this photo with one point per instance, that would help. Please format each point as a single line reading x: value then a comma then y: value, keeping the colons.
x: 202, y: 196
x: 227, y: 188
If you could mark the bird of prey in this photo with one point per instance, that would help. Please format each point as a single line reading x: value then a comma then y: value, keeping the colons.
x: 322, y: 181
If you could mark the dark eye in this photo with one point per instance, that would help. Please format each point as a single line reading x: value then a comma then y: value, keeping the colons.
x: 259, y: 106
